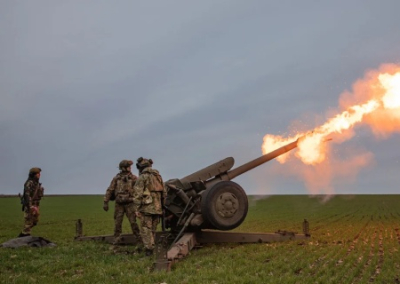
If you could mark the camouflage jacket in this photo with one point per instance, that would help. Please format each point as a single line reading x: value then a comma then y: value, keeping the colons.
x: 33, y: 192
x: 121, y: 188
x: 149, y: 193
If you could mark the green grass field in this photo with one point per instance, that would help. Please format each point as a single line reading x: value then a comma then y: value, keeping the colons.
x: 354, y: 239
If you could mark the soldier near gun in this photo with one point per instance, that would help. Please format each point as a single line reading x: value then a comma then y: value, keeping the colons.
x: 149, y: 195
x: 121, y: 190
x: 30, y: 200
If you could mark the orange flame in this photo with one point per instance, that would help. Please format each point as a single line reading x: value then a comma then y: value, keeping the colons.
x: 379, y: 94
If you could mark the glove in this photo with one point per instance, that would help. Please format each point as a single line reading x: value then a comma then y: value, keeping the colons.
x: 105, y: 206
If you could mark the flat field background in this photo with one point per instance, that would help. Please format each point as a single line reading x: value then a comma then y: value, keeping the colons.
x: 354, y: 239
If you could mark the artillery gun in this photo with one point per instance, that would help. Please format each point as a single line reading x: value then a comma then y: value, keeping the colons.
x: 198, y: 206
x: 208, y: 199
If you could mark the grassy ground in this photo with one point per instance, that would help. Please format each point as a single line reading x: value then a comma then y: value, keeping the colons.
x: 355, y: 239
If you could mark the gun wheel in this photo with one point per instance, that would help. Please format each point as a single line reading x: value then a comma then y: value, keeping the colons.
x: 225, y: 205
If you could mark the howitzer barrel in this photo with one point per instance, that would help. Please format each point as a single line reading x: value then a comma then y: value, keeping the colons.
x: 229, y: 175
x: 261, y: 160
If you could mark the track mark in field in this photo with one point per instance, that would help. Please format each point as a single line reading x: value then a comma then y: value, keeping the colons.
x: 329, y: 220
x: 371, y: 251
x: 324, y: 221
x: 362, y: 229
x: 325, y: 261
x: 351, y: 249
x: 355, y: 239
x: 381, y: 253
x: 363, y: 261
x: 369, y: 259
x: 397, y: 230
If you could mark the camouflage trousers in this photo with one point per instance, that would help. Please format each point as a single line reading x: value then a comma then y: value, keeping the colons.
x: 30, y: 220
x: 119, y: 212
x: 148, y: 227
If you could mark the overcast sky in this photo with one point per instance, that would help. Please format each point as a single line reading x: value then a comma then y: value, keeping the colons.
x: 85, y: 84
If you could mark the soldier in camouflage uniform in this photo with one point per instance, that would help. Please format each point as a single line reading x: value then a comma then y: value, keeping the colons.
x: 149, y: 196
x: 121, y: 190
x: 33, y: 193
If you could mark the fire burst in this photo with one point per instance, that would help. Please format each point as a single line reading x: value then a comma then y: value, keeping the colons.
x: 375, y: 101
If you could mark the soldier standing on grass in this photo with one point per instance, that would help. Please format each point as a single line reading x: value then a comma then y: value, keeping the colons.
x: 121, y: 190
x: 149, y: 194
x: 33, y: 193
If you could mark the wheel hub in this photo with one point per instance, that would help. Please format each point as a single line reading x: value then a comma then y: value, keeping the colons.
x: 227, y: 205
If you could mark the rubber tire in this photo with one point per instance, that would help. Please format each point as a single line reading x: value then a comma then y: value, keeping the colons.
x: 209, y: 206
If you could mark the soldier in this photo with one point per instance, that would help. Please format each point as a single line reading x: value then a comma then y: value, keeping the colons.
x: 33, y: 193
x: 121, y: 190
x: 149, y: 196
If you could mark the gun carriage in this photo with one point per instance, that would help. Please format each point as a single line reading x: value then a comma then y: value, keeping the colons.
x: 201, y: 205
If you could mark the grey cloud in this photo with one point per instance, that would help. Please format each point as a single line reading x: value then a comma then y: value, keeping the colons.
x: 84, y: 85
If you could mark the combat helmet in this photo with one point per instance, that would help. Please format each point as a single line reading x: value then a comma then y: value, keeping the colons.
x: 34, y: 171
x: 125, y: 164
x: 143, y: 163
